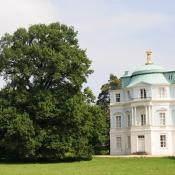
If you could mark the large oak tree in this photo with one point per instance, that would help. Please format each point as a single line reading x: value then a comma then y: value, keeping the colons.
x: 45, y: 114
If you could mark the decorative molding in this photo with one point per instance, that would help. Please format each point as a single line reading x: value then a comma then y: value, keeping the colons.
x: 117, y: 113
x: 162, y: 109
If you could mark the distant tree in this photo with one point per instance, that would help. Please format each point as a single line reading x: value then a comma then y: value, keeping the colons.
x: 44, y: 114
x: 103, y: 102
x: 103, y: 97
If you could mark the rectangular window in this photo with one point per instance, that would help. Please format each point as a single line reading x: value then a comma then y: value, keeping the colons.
x: 162, y: 92
x: 119, y: 143
x: 143, y: 119
x: 162, y: 119
x: 118, y: 122
x: 163, y: 141
x: 142, y: 93
x: 129, y: 142
x: 129, y: 120
x: 117, y: 96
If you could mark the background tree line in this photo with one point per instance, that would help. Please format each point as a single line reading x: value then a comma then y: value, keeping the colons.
x: 103, y: 102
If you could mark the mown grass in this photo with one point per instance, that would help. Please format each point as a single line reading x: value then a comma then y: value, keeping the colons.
x: 98, y: 166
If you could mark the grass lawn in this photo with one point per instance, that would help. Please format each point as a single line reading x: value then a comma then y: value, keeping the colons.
x: 98, y: 166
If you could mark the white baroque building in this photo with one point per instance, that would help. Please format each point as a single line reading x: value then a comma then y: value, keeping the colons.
x: 142, y: 112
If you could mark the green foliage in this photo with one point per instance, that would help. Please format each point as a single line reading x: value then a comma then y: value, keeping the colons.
x: 17, y: 135
x: 45, y: 115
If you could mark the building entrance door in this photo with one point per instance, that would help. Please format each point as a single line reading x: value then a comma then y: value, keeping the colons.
x: 141, y: 143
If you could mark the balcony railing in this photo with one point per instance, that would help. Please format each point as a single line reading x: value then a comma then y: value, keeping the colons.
x: 140, y: 99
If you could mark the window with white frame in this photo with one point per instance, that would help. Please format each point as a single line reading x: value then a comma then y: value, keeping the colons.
x: 128, y: 120
x: 143, y: 93
x: 143, y: 119
x: 163, y: 141
x: 119, y: 143
x: 117, y: 97
x: 162, y: 119
x: 118, y: 122
x: 162, y: 92
x: 129, y: 141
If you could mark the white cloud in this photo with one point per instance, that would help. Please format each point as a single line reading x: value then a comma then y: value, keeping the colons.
x: 22, y: 13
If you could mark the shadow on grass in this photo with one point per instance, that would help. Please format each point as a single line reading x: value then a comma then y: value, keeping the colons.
x: 43, y: 161
x: 170, y: 157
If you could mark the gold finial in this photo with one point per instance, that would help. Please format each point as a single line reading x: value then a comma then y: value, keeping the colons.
x: 149, y: 56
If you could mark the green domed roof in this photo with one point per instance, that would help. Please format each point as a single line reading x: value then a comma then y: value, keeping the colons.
x: 150, y: 74
x: 148, y: 68
x: 155, y: 78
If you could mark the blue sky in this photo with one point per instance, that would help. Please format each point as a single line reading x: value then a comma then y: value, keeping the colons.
x: 116, y: 33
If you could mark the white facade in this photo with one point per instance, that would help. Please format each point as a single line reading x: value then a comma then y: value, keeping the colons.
x: 142, y: 113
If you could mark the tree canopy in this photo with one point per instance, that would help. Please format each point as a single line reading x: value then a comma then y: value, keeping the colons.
x: 45, y: 114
